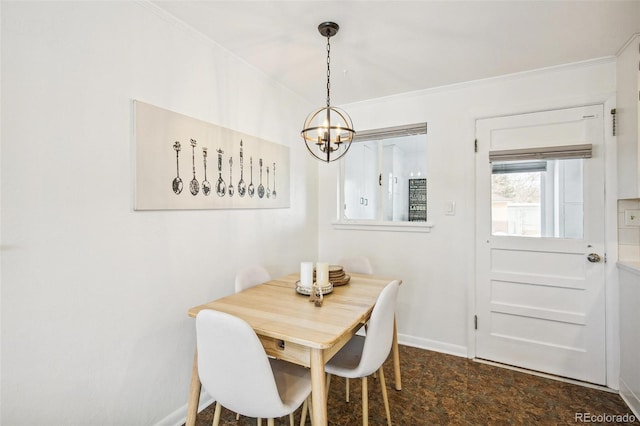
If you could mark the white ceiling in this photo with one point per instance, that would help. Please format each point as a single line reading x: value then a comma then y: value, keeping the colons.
x: 390, y: 47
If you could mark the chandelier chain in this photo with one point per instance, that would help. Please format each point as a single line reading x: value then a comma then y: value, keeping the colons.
x: 328, y: 71
x: 327, y: 131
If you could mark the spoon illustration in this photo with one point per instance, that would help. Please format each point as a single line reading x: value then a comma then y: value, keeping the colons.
x: 260, y: 187
x: 273, y: 193
x: 230, y: 177
x: 251, y: 188
x: 268, y: 190
x: 206, y: 186
x: 242, y: 187
x: 221, y: 187
x: 177, y: 182
x: 194, y: 186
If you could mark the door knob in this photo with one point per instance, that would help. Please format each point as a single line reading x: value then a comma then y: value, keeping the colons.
x: 593, y: 257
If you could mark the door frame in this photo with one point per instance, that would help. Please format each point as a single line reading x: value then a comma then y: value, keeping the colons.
x: 612, y: 326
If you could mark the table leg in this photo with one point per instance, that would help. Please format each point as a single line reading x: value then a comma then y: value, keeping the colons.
x: 396, y: 357
x: 194, y: 393
x: 318, y: 388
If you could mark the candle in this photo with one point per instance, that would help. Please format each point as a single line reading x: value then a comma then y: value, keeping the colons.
x: 306, y: 274
x: 322, y: 273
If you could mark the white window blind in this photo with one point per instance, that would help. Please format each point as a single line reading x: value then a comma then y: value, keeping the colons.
x: 542, y: 153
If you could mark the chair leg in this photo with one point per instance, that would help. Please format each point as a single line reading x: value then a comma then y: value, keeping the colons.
x: 347, y: 390
x: 216, y: 414
x: 384, y: 396
x: 396, y: 356
x: 303, y: 414
x: 291, y: 421
x: 271, y: 422
x: 366, y: 328
x: 259, y: 421
x: 365, y: 403
x: 328, y: 383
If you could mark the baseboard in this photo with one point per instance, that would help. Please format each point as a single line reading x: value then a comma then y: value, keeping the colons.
x: 178, y: 417
x: 547, y: 375
x: 432, y: 345
x: 632, y: 400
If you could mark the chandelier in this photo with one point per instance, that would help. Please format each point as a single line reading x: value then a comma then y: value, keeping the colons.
x: 328, y: 131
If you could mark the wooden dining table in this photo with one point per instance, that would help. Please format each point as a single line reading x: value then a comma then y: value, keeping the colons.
x: 292, y: 329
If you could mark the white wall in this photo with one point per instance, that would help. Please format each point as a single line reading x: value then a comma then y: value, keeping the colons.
x: 95, y: 295
x: 437, y: 268
x: 628, y: 235
x: 630, y: 335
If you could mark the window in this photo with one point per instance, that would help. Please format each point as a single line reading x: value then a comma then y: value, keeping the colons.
x: 539, y: 198
x: 384, y: 180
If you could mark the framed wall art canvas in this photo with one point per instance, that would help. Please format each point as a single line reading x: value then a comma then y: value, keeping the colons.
x: 183, y: 164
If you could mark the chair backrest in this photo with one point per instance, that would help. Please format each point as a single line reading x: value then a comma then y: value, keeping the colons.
x: 233, y: 366
x: 379, y: 337
x: 356, y: 264
x: 251, y: 276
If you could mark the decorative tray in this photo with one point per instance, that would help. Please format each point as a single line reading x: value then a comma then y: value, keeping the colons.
x: 306, y: 291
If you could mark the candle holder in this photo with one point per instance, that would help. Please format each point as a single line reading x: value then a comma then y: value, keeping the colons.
x: 308, y: 291
x: 316, y: 295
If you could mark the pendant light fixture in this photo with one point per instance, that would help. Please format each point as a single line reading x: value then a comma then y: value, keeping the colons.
x: 328, y: 131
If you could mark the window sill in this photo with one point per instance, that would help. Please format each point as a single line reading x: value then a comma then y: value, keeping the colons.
x: 373, y: 225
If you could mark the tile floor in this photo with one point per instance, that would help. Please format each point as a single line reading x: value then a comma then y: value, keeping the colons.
x: 440, y: 389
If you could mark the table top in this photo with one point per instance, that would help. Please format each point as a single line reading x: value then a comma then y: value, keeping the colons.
x: 275, y: 310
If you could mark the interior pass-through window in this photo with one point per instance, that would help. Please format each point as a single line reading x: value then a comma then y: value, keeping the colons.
x: 384, y: 176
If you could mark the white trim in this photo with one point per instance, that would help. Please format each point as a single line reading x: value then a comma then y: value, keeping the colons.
x: 629, y: 266
x: 545, y: 375
x: 202, y: 37
x: 432, y: 345
x: 627, y: 43
x: 379, y: 225
x: 483, y: 81
x: 632, y: 401
x: 179, y: 416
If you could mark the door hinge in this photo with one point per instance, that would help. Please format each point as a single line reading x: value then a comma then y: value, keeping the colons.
x: 475, y: 322
x: 475, y: 146
x: 613, y: 121
x: 380, y: 179
x: 605, y: 258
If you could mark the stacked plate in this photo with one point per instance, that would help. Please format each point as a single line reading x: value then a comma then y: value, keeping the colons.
x: 337, y: 276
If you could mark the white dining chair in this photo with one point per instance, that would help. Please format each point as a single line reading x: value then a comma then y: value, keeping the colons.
x: 362, y: 356
x: 362, y: 265
x: 251, y: 276
x: 248, y: 277
x: 236, y: 371
x: 356, y: 264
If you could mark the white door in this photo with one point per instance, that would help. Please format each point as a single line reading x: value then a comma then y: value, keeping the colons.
x: 540, y: 244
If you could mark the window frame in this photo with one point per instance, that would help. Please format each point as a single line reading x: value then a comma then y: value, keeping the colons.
x: 378, y: 224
